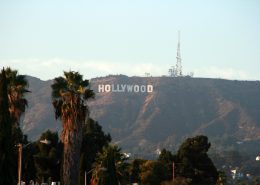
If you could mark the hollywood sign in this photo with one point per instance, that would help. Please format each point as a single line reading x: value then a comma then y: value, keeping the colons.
x: 125, y: 88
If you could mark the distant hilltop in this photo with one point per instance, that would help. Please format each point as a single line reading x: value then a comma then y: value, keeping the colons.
x: 176, y: 108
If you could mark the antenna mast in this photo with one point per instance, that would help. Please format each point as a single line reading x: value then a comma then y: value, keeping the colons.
x: 178, y: 57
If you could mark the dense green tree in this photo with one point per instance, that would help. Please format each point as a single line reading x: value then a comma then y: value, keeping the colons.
x: 177, y: 181
x: 69, y: 94
x: 153, y: 173
x: 192, y: 162
x: 135, y: 170
x: 93, y: 140
x: 28, y: 166
x: 166, y: 157
x: 47, y: 159
x: 6, y: 147
x: 109, y: 167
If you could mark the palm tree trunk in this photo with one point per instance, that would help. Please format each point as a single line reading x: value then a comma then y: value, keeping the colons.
x: 72, y: 139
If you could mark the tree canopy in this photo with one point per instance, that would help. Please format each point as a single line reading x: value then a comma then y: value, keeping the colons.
x: 109, y: 167
x: 193, y: 163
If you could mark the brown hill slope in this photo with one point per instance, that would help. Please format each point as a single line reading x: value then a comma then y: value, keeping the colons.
x: 176, y: 109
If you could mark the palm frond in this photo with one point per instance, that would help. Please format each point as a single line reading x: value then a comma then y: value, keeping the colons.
x: 85, y: 83
x: 59, y: 84
x: 57, y: 104
x: 89, y: 94
x: 17, y: 88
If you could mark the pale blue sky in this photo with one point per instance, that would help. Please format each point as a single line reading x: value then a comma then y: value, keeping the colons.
x: 219, y: 38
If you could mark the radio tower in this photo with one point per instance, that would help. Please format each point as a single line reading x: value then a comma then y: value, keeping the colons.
x: 178, y: 68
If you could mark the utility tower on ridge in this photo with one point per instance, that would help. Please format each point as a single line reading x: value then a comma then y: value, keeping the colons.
x: 178, y: 57
x: 176, y: 70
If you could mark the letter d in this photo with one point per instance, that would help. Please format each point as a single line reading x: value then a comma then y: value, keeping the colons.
x: 149, y: 88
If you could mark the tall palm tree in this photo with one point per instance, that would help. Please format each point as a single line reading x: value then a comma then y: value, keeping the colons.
x: 6, y: 161
x: 17, y: 87
x: 69, y: 94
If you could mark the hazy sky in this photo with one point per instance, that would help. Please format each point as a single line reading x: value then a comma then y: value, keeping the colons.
x: 219, y: 38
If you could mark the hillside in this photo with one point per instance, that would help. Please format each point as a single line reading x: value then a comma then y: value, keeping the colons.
x: 39, y: 115
x: 226, y: 111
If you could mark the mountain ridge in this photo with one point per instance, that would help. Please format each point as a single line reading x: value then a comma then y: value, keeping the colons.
x: 177, y: 108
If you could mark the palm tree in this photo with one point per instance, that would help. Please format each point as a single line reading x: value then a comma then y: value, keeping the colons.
x: 17, y: 88
x: 69, y: 94
x: 6, y: 161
